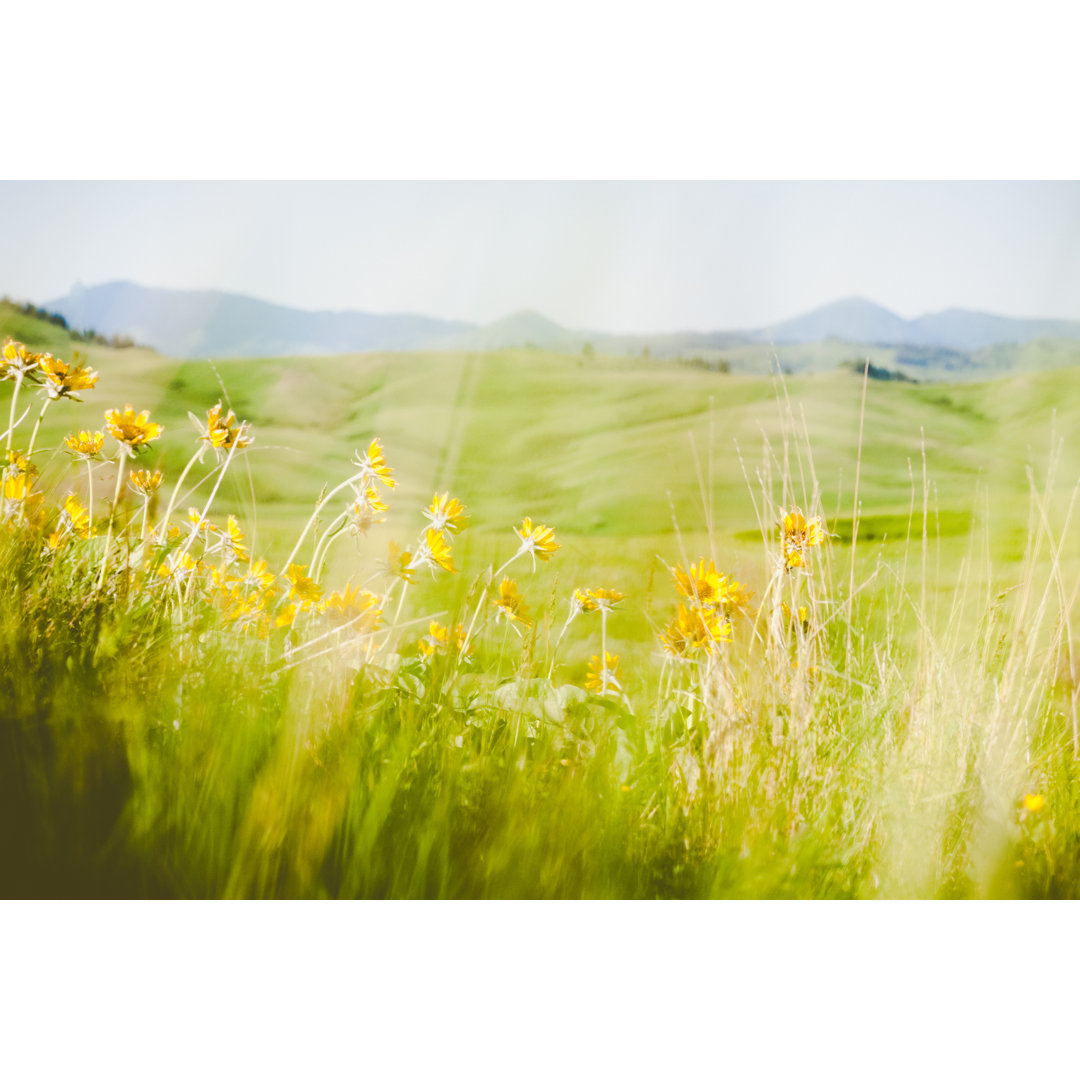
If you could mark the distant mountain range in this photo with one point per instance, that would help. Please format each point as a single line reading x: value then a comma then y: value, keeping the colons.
x: 209, y: 323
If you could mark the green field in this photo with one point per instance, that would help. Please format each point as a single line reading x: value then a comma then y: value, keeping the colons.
x: 154, y: 757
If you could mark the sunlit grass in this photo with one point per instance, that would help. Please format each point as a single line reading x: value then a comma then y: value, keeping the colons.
x: 651, y: 662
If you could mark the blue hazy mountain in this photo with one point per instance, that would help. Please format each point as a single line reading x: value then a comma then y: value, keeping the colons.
x: 859, y: 320
x: 211, y: 323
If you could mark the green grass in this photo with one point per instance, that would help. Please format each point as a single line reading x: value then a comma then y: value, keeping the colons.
x: 147, y: 750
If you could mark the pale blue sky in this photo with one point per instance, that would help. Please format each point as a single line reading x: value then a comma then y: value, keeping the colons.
x: 628, y: 256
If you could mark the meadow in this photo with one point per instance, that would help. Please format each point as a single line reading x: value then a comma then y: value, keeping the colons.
x: 890, y: 717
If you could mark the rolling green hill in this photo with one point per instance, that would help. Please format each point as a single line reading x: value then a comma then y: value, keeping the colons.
x: 602, y: 449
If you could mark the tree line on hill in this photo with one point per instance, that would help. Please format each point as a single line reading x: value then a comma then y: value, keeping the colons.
x: 92, y: 337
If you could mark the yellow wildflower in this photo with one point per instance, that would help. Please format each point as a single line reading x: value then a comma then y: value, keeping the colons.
x: 586, y: 600
x: 511, y: 603
x: 603, y: 677
x: 286, y: 616
x: 16, y: 491
x: 706, y: 587
x: 803, y: 615
x: 356, y: 606
x: 446, y: 513
x: 236, y: 604
x: 1034, y: 803
x: 145, y: 482
x: 399, y: 563
x: 18, y: 363
x: 693, y: 630
x: 700, y: 583
x: 223, y: 432
x: 302, y: 588
x: 537, y: 540
x: 86, y: 445
x: 259, y: 576
x: 372, y: 465
x: 363, y: 513
x: 132, y: 431
x: 75, y: 518
x: 179, y: 567
x: 54, y: 542
x: 200, y: 523
x: 63, y: 379
x: 441, y: 639
x: 799, y: 535
x: 582, y: 602
x: 434, y: 551
x: 18, y: 464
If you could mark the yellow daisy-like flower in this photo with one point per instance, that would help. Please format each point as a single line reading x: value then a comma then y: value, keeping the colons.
x: 17, y: 489
x: 129, y: 430
x: 700, y: 583
x: 145, y: 482
x: 178, y: 568
x: 802, y: 615
x: 704, y: 586
x: 441, y: 639
x: 301, y: 587
x: 399, y: 564
x: 354, y: 605
x: 232, y: 545
x: 18, y: 464
x: 259, y: 576
x: 287, y: 616
x: 364, y: 511
x: 582, y: 601
x: 446, y: 513
x: 434, y: 551
x: 236, y: 604
x: 799, y: 535
x: 694, y: 630
x: 603, y: 677
x: 75, y: 518
x: 511, y: 603
x: 586, y: 600
x: 734, y: 596
x: 200, y: 523
x: 372, y: 465
x: 18, y: 363
x: 537, y: 540
x: 224, y: 432
x: 86, y: 445
x: 54, y: 543
x: 63, y: 379
x: 1034, y: 803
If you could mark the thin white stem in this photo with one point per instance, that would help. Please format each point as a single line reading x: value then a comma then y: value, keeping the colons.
x: 211, y: 497
x: 11, y: 418
x: 323, y: 545
x: 315, y: 513
x: 37, y: 428
x: 121, y: 461
x: 197, y: 456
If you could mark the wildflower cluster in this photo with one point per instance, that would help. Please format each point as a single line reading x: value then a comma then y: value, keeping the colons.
x: 702, y: 622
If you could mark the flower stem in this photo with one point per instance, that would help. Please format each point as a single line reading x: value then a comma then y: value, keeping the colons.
x: 121, y: 461
x: 323, y: 546
x: 90, y: 493
x: 315, y: 513
x: 197, y: 456
x: 11, y: 418
x: 210, y: 499
x: 37, y: 426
